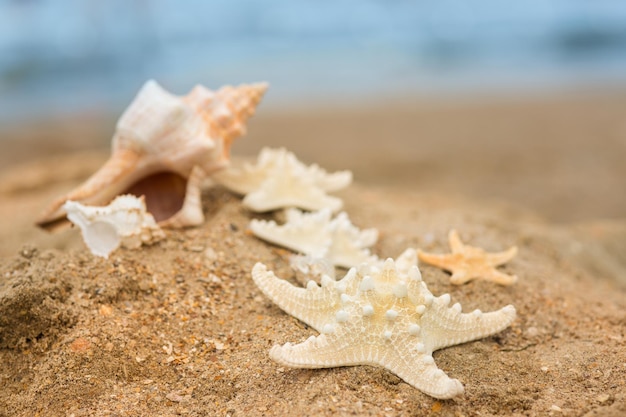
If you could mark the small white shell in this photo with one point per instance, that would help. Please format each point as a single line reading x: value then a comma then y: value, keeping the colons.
x: 123, y: 222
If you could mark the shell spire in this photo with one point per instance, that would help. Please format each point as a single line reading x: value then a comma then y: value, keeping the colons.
x: 227, y: 109
x: 164, y: 146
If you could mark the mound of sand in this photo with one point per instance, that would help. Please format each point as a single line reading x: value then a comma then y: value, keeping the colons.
x: 179, y: 328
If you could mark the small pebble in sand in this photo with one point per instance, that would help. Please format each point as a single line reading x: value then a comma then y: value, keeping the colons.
x: 175, y: 397
x: 80, y: 345
x: 105, y: 310
x: 210, y: 254
x: 428, y: 239
x: 532, y: 332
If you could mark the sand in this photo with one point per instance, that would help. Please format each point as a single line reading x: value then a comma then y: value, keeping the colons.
x: 179, y: 328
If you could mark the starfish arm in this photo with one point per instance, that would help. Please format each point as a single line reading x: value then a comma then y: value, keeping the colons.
x: 313, y: 305
x: 249, y: 177
x: 304, y: 233
x: 500, y: 277
x: 447, y: 326
x: 419, y: 370
x: 460, y: 277
x: 323, y: 351
x: 500, y: 258
x: 443, y: 261
x: 240, y: 181
x: 455, y: 241
x: 330, y: 182
x: 406, y: 260
x: 277, y: 192
x: 330, y: 350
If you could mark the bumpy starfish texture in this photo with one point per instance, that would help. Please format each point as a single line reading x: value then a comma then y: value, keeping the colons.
x: 468, y: 262
x: 378, y: 317
x: 318, y: 235
x: 280, y: 180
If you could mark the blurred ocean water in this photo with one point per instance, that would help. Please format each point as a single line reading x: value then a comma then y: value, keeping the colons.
x: 67, y: 55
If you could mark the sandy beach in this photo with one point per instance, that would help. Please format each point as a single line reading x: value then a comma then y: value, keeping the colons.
x: 179, y: 328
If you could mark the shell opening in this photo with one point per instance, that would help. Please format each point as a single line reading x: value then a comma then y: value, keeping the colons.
x: 164, y: 193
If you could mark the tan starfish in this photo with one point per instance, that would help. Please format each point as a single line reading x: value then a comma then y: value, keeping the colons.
x: 469, y: 262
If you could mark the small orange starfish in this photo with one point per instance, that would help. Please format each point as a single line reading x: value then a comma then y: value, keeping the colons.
x: 468, y: 262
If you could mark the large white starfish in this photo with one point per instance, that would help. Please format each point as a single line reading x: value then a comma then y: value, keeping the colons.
x: 378, y: 317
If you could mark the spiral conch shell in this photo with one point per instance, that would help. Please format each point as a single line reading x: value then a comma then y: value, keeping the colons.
x: 163, y: 148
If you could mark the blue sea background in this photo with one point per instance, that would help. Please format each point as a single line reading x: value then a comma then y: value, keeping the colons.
x: 64, y: 56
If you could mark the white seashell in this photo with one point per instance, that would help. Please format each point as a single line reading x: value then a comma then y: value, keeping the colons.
x: 123, y: 222
x: 280, y: 180
x: 317, y: 235
x: 163, y: 148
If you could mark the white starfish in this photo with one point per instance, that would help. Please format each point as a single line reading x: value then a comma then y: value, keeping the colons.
x: 311, y: 268
x: 318, y: 235
x: 378, y: 317
x: 280, y: 180
x: 125, y: 221
x: 404, y: 262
